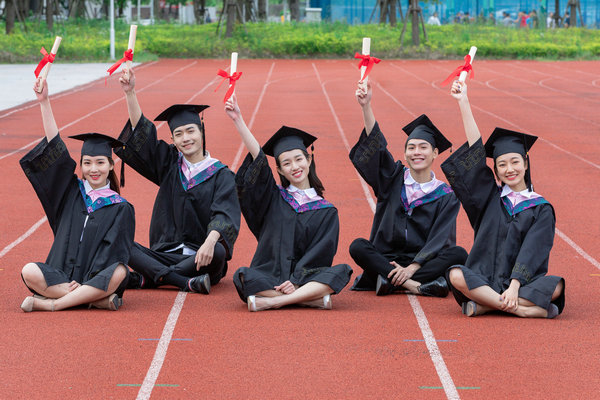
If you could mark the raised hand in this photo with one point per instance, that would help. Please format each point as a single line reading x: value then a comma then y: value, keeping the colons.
x: 232, y: 109
x: 459, y: 90
x: 363, y: 93
x: 41, y: 94
x: 127, y: 79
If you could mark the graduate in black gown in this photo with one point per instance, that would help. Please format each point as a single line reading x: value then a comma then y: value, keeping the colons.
x: 413, y: 237
x: 507, y: 268
x: 196, y: 216
x: 93, y: 225
x: 296, y: 228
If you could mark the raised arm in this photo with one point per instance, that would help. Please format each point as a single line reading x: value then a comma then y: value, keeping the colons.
x: 127, y: 81
x: 233, y: 111
x: 459, y: 92
x: 50, y: 128
x: 363, y: 95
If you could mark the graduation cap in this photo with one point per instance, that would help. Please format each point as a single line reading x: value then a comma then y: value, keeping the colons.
x: 97, y: 144
x: 183, y: 114
x: 286, y: 139
x: 503, y: 141
x: 423, y: 128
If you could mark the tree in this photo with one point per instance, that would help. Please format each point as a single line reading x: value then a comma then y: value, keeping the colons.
x: 262, y: 10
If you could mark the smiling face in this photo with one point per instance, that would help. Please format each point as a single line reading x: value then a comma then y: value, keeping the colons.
x: 188, y: 140
x: 510, y: 169
x: 95, y: 170
x: 294, y: 166
x: 419, y: 154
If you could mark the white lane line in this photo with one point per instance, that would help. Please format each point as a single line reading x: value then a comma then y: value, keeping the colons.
x: 68, y: 92
x: 24, y: 236
x: 161, y: 349
x: 432, y: 347
x: 165, y: 339
x: 517, y: 127
x: 578, y: 249
x: 100, y: 109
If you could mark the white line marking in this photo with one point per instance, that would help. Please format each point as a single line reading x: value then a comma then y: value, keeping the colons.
x: 161, y: 348
x: 434, y: 351
x: 578, y: 249
x: 165, y: 339
x: 24, y: 236
x: 100, y: 109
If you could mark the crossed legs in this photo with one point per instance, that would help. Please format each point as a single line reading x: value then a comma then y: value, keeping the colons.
x: 487, y: 299
x: 66, y: 295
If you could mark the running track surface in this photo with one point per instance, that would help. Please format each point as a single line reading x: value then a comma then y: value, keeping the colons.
x: 166, y: 344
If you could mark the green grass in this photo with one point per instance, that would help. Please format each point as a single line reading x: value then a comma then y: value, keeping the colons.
x: 89, y: 41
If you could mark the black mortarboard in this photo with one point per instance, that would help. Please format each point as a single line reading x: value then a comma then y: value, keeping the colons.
x: 503, y: 141
x: 97, y: 144
x: 286, y: 139
x: 423, y: 128
x: 181, y: 114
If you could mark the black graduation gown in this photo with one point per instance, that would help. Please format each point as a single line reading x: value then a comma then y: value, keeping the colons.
x: 419, y: 230
x: 510, y: 243
x: 295, y: 243
x: 184, y: 212
x: 90, y: 259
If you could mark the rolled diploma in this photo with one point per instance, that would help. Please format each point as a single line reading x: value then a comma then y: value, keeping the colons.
x: 366, y: 50
x: 233, y: 69
x: 131, y: 44
x: 463, y: 74
x: 44, y: 73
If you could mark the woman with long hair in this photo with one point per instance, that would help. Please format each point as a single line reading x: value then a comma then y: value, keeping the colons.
x: 507, y: 268
x: 296, y: 228
x: 93, y: 225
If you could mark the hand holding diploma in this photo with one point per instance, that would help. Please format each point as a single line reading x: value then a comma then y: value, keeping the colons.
x: 128, y: 54
x: 46, y: 62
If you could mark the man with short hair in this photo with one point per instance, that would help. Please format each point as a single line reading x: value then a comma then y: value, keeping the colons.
x: 196, y: 215
x: 413, y: 238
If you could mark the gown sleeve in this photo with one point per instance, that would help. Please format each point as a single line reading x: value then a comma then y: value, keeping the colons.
x: 532, y: 259
x: 374, y: 162
x: 442, y: 232
x: 471, y: 179
x: 51, y: 171
x: 225, y: 210
x: 256, y: 188
x: 143, y: 151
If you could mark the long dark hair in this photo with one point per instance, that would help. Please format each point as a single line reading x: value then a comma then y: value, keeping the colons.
x: 313, y: 179
x: 112, y: 175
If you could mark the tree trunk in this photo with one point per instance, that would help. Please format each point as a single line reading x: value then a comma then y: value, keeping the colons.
x: 230, y: 10
x: 392, y: 11
x: 248, y: 10
x: 198, y: 12
x: 415, y: 22
x: 50, y: 14
x: 295, y: 10
x: 573, y: 14
x: 383, y: 10
x: 10, y: 15
x: 262, y: 10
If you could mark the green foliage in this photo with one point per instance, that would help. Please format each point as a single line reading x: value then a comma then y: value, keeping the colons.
x: 89, y: 41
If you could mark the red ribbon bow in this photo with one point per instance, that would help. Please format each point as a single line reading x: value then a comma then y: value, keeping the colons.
x: 127, y: 56
x: 232, y: 79
x: 367, y: 61
x: 465, y: 67
x: 48, y: 58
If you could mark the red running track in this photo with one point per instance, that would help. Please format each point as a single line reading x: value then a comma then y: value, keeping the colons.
x: 367, y: 347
